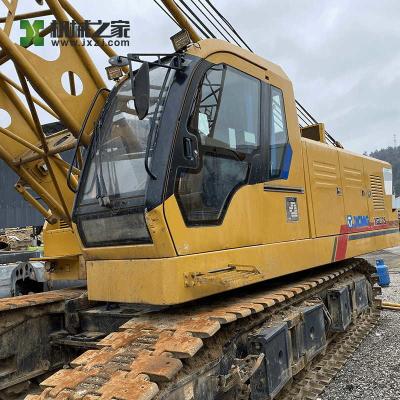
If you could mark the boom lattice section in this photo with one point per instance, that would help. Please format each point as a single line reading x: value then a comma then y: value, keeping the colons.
x: 29, y: 146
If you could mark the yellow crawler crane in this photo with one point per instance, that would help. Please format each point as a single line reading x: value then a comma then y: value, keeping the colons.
x: 217, y: 237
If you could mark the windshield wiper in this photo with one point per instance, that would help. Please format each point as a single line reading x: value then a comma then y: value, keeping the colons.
x: 106, y: 197
x: 102, y: 194
x: 151, y: 133
x: 81, y: 132
x: 101, y: 189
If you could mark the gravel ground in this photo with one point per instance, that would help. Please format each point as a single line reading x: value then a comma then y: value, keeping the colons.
x: 373, y: 372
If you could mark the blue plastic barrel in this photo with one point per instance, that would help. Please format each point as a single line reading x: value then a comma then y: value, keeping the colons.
x: 383, y: 273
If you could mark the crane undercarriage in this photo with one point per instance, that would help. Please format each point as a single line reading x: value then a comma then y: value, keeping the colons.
x: 280, y: 341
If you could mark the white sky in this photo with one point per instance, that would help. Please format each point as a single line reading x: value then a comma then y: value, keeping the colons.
x: 342, y: 56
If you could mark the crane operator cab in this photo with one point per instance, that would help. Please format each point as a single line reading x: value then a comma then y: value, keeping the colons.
x: 199, y: 188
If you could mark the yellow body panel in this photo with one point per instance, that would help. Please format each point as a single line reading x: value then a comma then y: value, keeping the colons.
x: 167, y: 281
x: 60, y: 242
x: 354, y: 186
x: 62, y: 253
x: 247, y: 222
x: 325, y: 179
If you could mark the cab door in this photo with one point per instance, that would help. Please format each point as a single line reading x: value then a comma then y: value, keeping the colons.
x: 238, y: 193
x: 217, y: 203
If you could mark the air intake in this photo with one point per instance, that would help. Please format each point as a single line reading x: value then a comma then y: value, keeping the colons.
x: 377, y: 192
x: 64, y: 224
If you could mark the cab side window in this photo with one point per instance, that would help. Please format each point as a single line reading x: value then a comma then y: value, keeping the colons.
x: 228, y: 110
x: 279, y: 133
x: 226, y: 118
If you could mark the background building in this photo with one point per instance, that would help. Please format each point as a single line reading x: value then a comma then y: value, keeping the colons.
x: 14, y: 210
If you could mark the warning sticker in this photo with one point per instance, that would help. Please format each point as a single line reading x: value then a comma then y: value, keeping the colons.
x: 292, y: 209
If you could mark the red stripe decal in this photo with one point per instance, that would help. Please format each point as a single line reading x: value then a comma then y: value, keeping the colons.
x: 342, y: 239
x: 346, y: 229
x: 341, y: 248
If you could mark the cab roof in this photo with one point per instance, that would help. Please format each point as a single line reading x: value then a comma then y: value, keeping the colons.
x: 207, y: 47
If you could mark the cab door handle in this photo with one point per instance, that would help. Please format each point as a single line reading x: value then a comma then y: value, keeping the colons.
x: 188, y: 148
x: 188, y: 151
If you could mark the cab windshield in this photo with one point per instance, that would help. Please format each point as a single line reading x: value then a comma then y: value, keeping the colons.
x: 110, y: 203
x: 117, y: 158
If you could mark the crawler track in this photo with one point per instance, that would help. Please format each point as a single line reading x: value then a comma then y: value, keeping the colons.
x: 152, y: 353
x: 311, y: 383
x: 40, y: 299
x: 25, y: 325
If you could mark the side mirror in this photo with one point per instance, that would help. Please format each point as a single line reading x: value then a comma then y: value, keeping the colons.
x: 141, y: 91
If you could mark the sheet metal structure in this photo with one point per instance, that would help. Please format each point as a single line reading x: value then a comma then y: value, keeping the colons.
x: 14, y: 210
